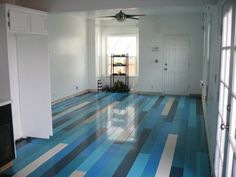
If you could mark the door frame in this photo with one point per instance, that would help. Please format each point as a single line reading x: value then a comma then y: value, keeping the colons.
x: 163, y: 64
x: 226, y: 5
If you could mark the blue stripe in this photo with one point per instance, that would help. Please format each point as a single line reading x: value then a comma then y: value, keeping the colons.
x: 93, y: 147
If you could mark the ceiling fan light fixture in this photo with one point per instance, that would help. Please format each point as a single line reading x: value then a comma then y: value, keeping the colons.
x: 120, y: 17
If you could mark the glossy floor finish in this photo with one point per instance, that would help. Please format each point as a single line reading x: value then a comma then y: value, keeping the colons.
x: 119, y: 134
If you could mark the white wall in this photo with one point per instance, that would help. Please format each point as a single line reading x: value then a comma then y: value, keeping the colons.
x: 210, y: 106
x: 94, y: 53
x: 98, y: 49
x: 68, y: 54
x: 8, y: 1
x: 152, y: 30
x: 4, y: 70
x: 91, y: 55
x: 90, y: 5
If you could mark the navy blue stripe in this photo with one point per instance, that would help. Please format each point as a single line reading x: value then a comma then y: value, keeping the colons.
x: 4, y: 175
x: 139, y: 103
x: 199, y: 107
x: 128, y: 161
x: 60, y: 122
x: 158, y: 102
x: 138, y: 118
x: 108, y: 157
x: 74, y: 153
x: 69, y: 103
x: 176, y: 172
x: 201, y: 136
x: 171, y: 115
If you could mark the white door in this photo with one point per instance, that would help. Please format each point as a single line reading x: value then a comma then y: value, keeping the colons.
x: 231, y: 139
x: 34, y: 86
x: 225, y: 141
x: 176, y: 65
x: 14, y: 86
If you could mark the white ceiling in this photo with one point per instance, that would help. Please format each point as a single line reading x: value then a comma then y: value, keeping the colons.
x: 146, y: 11
x: 94, y: 5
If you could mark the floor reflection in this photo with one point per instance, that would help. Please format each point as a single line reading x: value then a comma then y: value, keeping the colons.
x: 119, y: 134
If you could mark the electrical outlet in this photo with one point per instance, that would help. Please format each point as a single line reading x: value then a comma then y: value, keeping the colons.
x: 155, y: 49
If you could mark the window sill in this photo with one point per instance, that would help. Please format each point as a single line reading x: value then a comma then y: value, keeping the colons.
x: 118, y: 76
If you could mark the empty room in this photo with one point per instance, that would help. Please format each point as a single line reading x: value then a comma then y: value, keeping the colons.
x: 118, y: 88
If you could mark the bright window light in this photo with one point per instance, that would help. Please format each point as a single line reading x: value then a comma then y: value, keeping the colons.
x: 122, y: 45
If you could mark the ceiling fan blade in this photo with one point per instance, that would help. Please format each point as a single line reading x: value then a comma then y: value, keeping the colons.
x: 136, y: 15
x: 113, y: 16
x: 134, y: 18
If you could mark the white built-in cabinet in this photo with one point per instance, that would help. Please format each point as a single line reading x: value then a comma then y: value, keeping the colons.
x: 26, y: 81
x: 26, y: 20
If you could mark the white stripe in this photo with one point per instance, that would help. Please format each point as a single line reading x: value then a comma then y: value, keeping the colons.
x: 77, y: 174
x: 167, y: 107
x: 70, y: 110
x: 39, y: 161
x: 167, y: 156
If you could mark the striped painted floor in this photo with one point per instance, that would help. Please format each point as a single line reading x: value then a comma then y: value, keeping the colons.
x: 119, y: 134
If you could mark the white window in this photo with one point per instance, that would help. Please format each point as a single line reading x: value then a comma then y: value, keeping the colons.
x: 122, y: 45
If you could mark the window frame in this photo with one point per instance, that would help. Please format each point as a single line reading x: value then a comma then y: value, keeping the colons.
x: 137, y: 52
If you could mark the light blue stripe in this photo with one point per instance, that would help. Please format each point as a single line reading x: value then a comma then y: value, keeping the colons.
x: 94, y: 157
x: 193, y: 116
x: 150, y: 104
x: 139, y: 165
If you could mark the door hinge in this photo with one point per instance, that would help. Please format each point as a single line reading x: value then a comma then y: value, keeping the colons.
x: 224, y: 126
x: 8, y: 15
x: 9, y: 24
x: 221, y: 30
x: 228, y: 107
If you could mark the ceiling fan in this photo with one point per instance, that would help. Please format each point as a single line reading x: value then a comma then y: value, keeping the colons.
x: 121, y: 16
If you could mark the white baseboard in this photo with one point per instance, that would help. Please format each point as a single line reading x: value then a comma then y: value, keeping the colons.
x: 149, y: 93
x: 92, y: 90
x: 68, y: 97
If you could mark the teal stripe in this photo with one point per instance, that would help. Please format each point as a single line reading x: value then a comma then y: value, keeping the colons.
x: 103, y: 156
x: 193, y: 116
x: 139, y: 165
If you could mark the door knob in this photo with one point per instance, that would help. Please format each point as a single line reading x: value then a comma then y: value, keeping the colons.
x: 166, y: 64
x: 165, y: 69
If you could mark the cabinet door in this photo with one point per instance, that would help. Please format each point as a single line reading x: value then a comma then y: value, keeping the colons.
x: 34, y: 86
x: 19, y: 21
x: 39, y: 23
x: 14, y: 86
x: 7, y: 151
